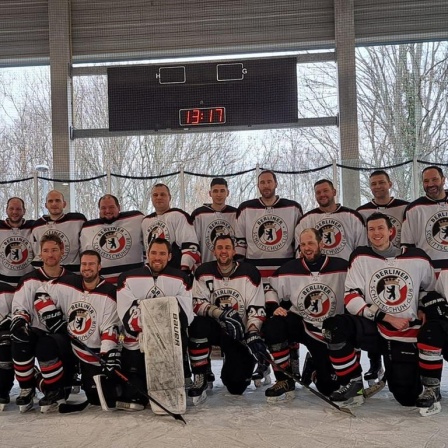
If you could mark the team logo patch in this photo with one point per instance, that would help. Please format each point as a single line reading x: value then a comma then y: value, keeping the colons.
x: 270, y: 233
x: 64, y: 239
x: 158, y: 229
x: 391, y: 290
x: 333, y: 236
x: 229, y: 298
x: 215, y: 229
x: 316, y: 302
x: 82, y: 320
x: 154, y: 292
x: 112, y: 243
x: 16, y: 253
x: 436, y: 231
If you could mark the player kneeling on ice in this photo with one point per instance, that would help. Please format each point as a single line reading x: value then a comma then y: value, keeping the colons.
x: 433, y: 345
x: 312, y: 288
x: 155, y: 356
x: 85, y: 307
x: 382, y: 296
x: 228, y: 300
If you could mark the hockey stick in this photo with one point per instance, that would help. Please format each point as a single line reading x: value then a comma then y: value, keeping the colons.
x: 314, y: 391
x: 125, y: 379
x: 68, y: 408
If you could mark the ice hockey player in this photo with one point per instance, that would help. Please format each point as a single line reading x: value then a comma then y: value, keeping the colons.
x: 433, y: 345
x: 228, y: 301
x: 85, y: 307
x: 381, y: 295
x: 155, y: 279
x: 28, y: 333
x: 6, y: 366
x: 313, y: 288
x: 174, y: 225
x: 214, y: 219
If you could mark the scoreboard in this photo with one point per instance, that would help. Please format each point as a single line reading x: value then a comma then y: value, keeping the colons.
x: 243, y: 93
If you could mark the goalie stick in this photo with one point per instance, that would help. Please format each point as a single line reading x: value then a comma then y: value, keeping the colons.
x: 125, y: 379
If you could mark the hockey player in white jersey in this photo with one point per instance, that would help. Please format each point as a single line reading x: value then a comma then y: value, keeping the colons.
x: 6, y: 366
x: 155, y: 279
x: 85, y: 307
x: 211, y: 220
x: 301, y: 295
x: 382, y: 296
x: 425, y: 222
x: 229, y: 304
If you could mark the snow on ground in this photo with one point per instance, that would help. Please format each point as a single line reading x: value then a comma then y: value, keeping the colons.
x: 226, y: 421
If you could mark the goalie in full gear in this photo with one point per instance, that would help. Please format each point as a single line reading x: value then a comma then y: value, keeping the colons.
x: 302, y: 294
x: 229, y: 303
x: 6, y: 366
x: 433, y: 345
x: 155, y: 279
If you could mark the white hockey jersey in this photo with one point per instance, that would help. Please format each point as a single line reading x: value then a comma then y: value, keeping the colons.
x: 16, y: 251
x: 392, y: 285
x: 67, y: 228
x: 6, y: 296
x: 342, y: 231
x: 119, y: 243
x: 140, y: 284
x: 91, y: 315
x: 265, y: 235
x: 209, y: 224
x: 425, y: 226
x: 175, y: 226
x: 242, y: 290
x: 394, y: 209
x: 314, y: 296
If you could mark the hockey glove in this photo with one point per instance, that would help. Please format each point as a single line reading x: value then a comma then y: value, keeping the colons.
x: 232, y: 324
x: 20, y: 330
x: 112, y: 361
x: 54, y: 321
x: 434, y: 306
x: 5, y: 323
x: 257, y: 346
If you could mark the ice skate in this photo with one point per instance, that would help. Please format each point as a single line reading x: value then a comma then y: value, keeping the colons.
x: 51, y: 401
x: 375, y: 373
x: 198, y: 393
x: 129, y: 405
x: 282, y: 390
x: 429, y: 400
x: 262, y: 376
x: 25, y: 400
x: 294, y: 360
x: 309, y: 370
x: 210, y: 376
x: 4, y: 401
x: 374, y: 389
x: 351, y: 394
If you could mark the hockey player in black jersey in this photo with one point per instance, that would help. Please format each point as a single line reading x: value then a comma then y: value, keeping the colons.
x: 229, y: 304
x: 301, y: 295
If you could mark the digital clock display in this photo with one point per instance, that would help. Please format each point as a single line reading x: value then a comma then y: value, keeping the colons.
x: 201, y: 116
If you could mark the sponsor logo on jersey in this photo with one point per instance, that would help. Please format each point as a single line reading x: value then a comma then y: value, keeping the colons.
x: 316, y: 302
x: 112, y: 243
x: 82, y: 320
x: 436, y: 231
x: 229, y: 298
x: 270, y: 233
x: 333, y: 236
x: 392, y: 290
x: 158, y: 229
x: 16, y: 253
x: 154, y: 292
x: 64, y: 239
x: 216, y: 228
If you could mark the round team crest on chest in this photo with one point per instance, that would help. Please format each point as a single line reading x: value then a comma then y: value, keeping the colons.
x: 333, y: 236
x: 216, y: 228
x: 16, y: 253
x: 436, y: 231
x: 229, y: 298
x: 158, y: 229
x: 64, y: 239
x: 82, y: 320
x: 391, y: 290
x: 316, y: 302
x: 112, y: 243
x: 270, y: 233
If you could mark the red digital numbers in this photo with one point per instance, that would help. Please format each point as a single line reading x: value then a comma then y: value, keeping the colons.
x: 202, y: 116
